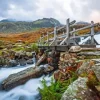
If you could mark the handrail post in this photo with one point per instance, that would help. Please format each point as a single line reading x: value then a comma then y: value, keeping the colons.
x: 40, y: 40
x: 38, y: 43
x: 74, y: 34
x: 92, y: 33
x: 47, y: 38
x: 67, y: 27
x: 67, y: 33
x: 43, y: 39
x: 55, y: 36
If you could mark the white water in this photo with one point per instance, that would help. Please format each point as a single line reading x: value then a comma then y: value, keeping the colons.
x: 96, y: 37
x: 28, y: 91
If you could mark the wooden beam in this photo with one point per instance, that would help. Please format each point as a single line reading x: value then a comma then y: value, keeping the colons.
x: 87, y: 27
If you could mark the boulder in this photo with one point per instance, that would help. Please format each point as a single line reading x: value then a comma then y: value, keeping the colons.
x: 12, y: 63
x: 22, y: 77
x: 22, y: 62
x: 30, y: 61
x: 75, y: 49
x: 78, y: 90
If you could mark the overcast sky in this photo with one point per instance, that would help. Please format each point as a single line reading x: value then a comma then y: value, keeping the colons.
x: 80, y: 10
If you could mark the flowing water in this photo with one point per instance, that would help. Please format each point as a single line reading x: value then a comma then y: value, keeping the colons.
x: 27, y: 91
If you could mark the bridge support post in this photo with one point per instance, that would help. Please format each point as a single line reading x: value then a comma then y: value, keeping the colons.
x: 92, y: 33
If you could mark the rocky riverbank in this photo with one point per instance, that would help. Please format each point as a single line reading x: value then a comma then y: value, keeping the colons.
x: 19, y: 53
x: 77, y: 77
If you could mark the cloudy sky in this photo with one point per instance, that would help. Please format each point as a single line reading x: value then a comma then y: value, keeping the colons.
x: 81, y: 10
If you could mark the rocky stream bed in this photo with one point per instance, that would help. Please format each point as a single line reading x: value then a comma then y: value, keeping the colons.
x: 78, y: 70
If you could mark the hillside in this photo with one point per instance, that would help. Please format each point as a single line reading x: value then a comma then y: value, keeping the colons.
x: 28, y: 37
x: 11, y: 26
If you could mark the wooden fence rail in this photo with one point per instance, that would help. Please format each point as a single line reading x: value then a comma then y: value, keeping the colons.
x: 64, y: 38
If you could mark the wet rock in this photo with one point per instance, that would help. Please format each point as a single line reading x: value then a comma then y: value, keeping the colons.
x: 30, y: 61
x: 22, y: 62
x: 22, y: 77
x: 48, y: 68
x: 4, y: 61
x: 12, y: 63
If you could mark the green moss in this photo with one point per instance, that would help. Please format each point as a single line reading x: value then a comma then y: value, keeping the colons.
x: 0, y: 52
x: 18, y: 49
x: 34, y: 47
x: 92, y: 57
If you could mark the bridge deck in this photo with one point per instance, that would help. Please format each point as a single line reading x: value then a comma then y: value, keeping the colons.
x: 63, y: 47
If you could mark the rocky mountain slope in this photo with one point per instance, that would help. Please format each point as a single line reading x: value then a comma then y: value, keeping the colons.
x: 12, y: 26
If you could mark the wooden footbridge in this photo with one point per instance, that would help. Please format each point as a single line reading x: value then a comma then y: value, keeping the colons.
x: 65, y: 39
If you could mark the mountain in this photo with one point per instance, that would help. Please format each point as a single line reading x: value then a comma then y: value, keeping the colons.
x: 12, y: 26
x: 8, y: 20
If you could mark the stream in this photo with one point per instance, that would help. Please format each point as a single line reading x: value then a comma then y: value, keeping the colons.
x: 27, y: 91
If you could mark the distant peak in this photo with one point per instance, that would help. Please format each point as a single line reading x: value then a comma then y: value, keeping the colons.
x: 8, y: 20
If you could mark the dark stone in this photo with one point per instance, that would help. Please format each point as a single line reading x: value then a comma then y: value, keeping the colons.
x: 30, y: 61
x: 12, y: 63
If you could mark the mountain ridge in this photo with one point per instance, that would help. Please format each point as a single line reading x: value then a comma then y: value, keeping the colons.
x: 13, y: 26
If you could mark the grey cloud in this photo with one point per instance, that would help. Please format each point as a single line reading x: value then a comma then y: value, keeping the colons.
x: 59, y: 9
x: 4, y: 6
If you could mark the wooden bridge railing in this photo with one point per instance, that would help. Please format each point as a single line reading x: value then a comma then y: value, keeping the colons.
x: 65, y: 38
